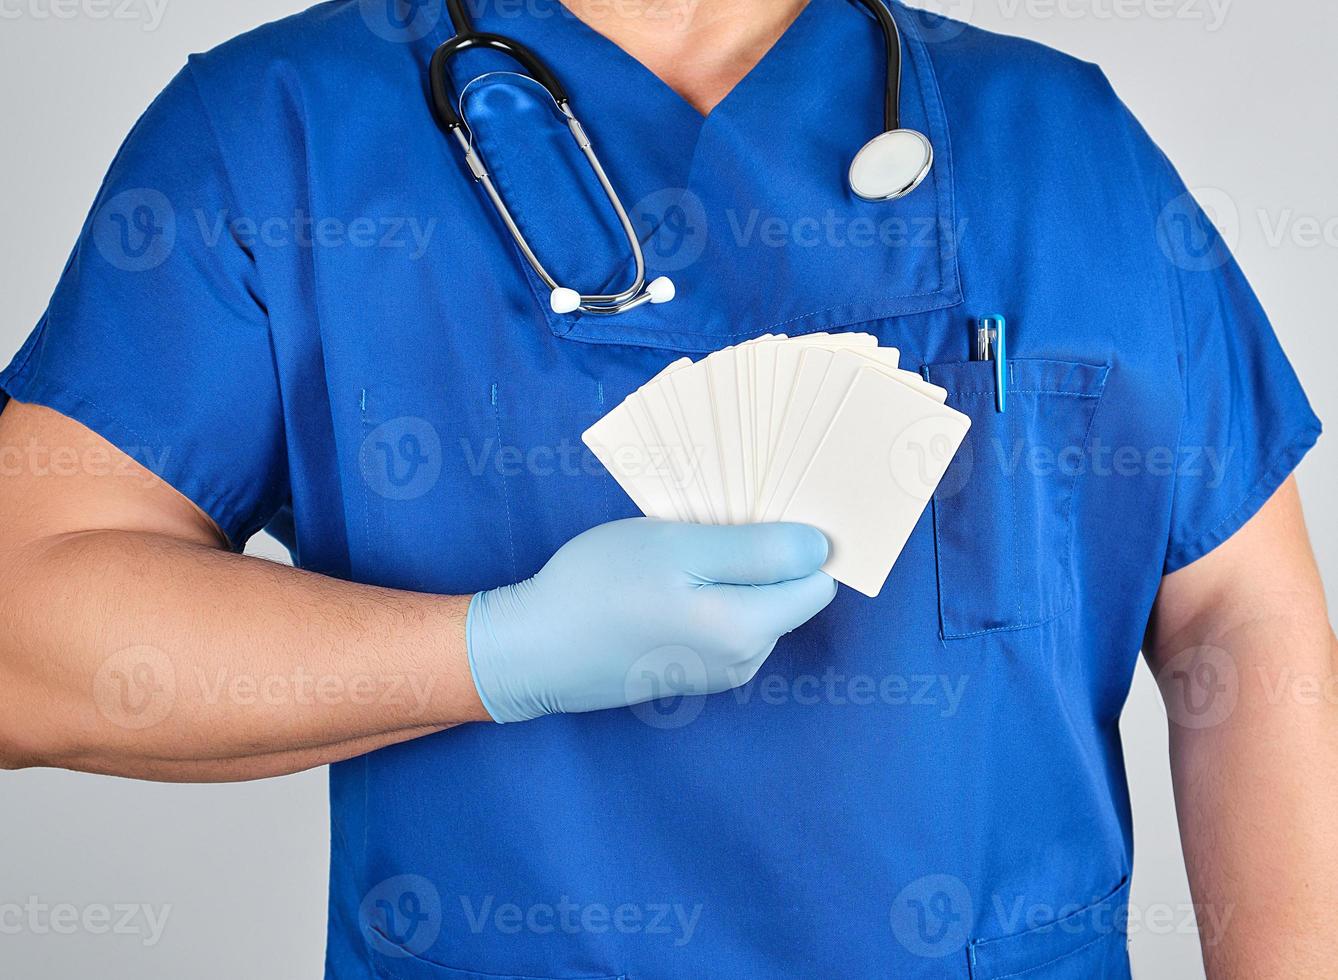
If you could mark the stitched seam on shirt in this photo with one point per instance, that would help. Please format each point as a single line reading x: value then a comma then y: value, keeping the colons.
x: 1050, y: 962
x: 665, y: 341
x: 1073, y: 486
x: 506, y: 483
x: 1301, y: 442
x: 366, y: 486
x: 1068, y: 606
x: 60, y: 386
x: 944, y: 634
x: 366, y: 834
x: 237, y: 200
x: 1274, y: 464
x: 599, y: 413
x: 1031, y: 391
x: 937, y: 124
x: 385, y: 969
x: 870, y: 301
x: 938, y: 577
x: 1011, y: 421
x: 17, y: 371
x: 226, y: 502
x: 262, y: 307
x: 208, y: 117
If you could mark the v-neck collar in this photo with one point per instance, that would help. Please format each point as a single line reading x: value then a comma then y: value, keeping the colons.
x: 778, y: 49
x: 775, y: 149
x: 558, y: 28
x: 779, y: 62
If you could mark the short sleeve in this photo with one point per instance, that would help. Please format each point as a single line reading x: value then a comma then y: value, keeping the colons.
x: 1246, y: 422
x: 156, y: 337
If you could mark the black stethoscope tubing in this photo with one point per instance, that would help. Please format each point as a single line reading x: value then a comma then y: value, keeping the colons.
x: 890, y: 166
x: 468, y: 39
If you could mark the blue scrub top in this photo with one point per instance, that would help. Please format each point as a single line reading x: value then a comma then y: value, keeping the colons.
x: 291, y: 300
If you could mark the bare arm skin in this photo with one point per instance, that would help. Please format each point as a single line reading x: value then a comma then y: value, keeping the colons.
x: 133, y: 643
x: 1248, y: 665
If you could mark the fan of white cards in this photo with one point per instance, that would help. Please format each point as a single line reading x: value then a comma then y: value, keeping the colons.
x: 824, y: 429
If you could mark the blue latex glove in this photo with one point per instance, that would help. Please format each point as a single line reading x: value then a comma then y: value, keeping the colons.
x: 638, y: 610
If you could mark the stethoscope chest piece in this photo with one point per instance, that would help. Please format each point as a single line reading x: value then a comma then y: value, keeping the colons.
x: 891, y: 165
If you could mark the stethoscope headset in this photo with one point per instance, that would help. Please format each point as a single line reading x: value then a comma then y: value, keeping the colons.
x: 889, y: 166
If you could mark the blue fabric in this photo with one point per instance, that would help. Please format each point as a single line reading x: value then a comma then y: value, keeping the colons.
x: 158, y: 315
x: 925, y: 785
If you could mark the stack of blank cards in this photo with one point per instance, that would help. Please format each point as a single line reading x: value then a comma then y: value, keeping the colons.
x: 824, y: 429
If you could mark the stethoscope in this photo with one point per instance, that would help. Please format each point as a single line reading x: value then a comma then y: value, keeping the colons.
x: 889, y: 166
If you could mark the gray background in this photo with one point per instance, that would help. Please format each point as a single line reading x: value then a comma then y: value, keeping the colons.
x: 1239, y: 94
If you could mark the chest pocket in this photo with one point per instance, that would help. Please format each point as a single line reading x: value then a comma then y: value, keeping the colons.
x: 1003, y: 515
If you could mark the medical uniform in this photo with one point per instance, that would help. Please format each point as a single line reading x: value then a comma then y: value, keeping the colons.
x: 294, y: 302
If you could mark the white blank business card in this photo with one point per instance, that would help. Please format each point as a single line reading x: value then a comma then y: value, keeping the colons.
x: 823, y: 429
x: 869, y: 481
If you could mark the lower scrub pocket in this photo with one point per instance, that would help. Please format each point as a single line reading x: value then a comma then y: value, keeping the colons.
x: 1003, y: 514
x: 395, y: 963
x: 392, y: 960
x: 1090, y: 944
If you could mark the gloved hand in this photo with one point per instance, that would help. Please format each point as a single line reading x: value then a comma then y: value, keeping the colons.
x: 638, y: 610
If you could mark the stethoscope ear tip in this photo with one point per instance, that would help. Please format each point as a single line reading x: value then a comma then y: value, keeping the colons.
x: 565, y: 301
x: 662, y: 290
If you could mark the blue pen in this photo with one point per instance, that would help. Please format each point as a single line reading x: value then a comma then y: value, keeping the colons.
x: 992, y: 345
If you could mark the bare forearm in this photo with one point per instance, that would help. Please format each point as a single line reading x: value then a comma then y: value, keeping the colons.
x: 1248, y: 664
x: 263, y: 766
x: 1258, y: 805
x: 147, y: 656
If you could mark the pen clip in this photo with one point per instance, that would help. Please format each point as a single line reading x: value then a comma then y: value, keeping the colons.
x: 992, y: 345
